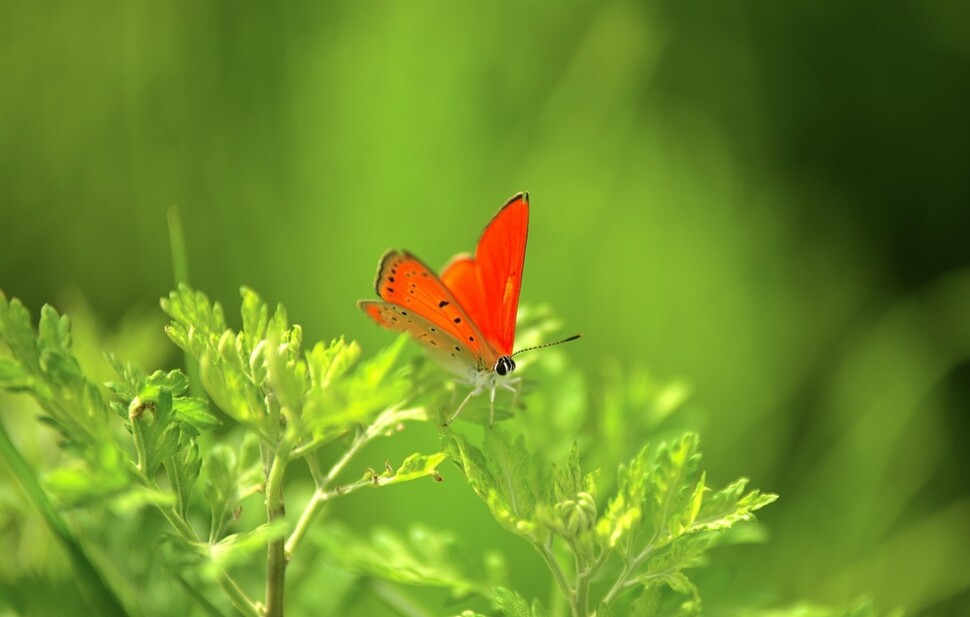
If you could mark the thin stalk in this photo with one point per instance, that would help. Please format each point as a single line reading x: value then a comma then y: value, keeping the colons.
x: 233, y: 591
x: 322, y: 495
x: 180, y: 271
x: 237, y: 596
x: 396, y: 600
x: 557, y: 574
x: 583, y: 576
x: 275, y: 552
x: 100, y: 593
x: 319, y: 498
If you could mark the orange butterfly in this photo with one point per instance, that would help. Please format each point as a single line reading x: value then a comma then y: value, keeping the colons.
x: 465, y: 317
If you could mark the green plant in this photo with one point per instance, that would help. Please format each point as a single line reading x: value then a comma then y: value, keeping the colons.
x: 613, y: 539
x: 288, y: 404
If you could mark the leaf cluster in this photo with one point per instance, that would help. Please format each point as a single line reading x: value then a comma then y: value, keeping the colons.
x: 144, y: 440
x: 659, y: 522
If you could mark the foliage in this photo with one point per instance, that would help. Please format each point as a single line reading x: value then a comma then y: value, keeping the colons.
x: 660, y: 521
x: 288, y: 404
x: 616, y: 541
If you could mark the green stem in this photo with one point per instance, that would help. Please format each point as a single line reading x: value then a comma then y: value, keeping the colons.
x: 136, y: 414
x: 237, y: 596
x: 229, y: 586
x: 396, y: 600
x: 275, y: 552
x: 315, y: 473
x: 557, y: 574
x: 98, y: 591
x: 322, y: 495
x: 583, y: 575
x: 319, y: 498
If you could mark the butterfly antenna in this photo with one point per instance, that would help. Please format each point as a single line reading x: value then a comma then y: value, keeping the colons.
x: 565, y: 340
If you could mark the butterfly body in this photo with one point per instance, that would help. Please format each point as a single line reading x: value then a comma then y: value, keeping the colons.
x: 466, y: 316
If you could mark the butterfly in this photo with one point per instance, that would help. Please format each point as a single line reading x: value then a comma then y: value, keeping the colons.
x: 466, y: 316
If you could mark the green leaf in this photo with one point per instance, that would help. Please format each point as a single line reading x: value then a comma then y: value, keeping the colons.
x: 646, y: 603
x: 676, y: 485
x: 18, y: 333
x: 414, y: 466
x: 339, y: 397
x: 505, y: 476
x: 100, y: 474
x: 14, y: 378
x: 729, y: 506
x: 240, y: 548
x: 43, y: 365
x: 425, y: 557
x: 183, y: 471
x: 227, y: 477
x: 254, y: 316
x: 625, y: 510
x: 514, y: 605
x: 156, y: 432
x: 287, y: 372
x: 195, y: 413
x: 226, y: 381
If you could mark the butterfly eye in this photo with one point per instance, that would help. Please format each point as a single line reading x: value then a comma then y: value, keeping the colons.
x: 504, y: 366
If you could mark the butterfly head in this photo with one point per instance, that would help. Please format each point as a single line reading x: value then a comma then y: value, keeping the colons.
x: 504, y: 366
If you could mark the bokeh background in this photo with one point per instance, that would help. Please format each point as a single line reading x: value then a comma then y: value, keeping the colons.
x: 769, y: 201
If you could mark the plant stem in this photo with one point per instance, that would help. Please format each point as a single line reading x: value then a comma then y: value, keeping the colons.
x: 275, y: 552
x: 558, y: 574
x: 395, y: 600
x: 583, y: 575
x: 321, y: 495
x: 237, y: 596
x: 319, y: 498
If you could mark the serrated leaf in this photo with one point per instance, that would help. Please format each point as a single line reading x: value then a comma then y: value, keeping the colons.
x: 195, y: 412
x: 341, y: 397
x: 183, y: 471
x: 624, y: 512
x: 230, y: 389
x: 426, y: 557
x: 53, y: 331
x: 44, y: 365
x: 569, y: 476
x: 102, y: 473
x: 514, y: 605
x: 13, y: 376
x: 287, y: 372
x: 505, y: 476
x: 729, y: 506
x: 415, y: 466
x: 18, y: 333
x: 255, y: 316
x: 673, y: 484
x: 239, y: 548
x: 227, y: 475
x: 645, y: 605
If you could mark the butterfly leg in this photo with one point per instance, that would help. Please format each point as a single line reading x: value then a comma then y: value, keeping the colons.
x: 511, y: 386
x: 491, y: 414
x: 472, y: 393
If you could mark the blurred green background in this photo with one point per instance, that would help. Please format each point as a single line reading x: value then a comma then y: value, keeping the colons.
x: 769, y: 200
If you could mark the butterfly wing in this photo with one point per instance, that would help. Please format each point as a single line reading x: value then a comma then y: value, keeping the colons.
x: 487, y: 286
x: 421, y: 303
x: 455, y: 356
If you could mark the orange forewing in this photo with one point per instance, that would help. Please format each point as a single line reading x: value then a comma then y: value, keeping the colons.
x: 450, y: 351
x: 488, y: 286
x: 403, y: 280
